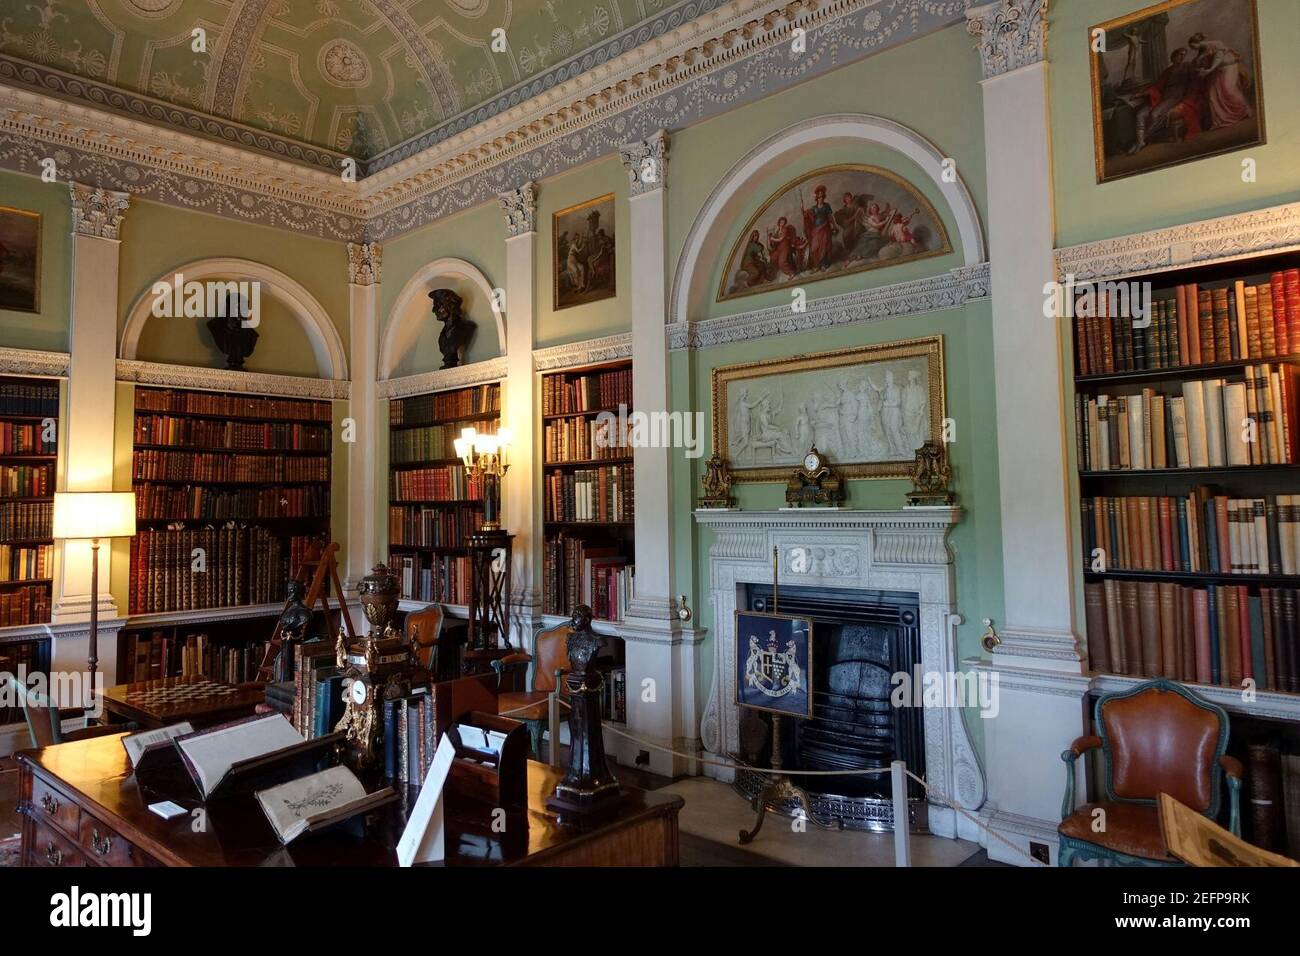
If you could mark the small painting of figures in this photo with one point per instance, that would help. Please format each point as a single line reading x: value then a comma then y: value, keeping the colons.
x: 1175, y: 82
x: 867, y: 410
x: 584, y: 252
x: 833, y: 221
x: 20, y: 260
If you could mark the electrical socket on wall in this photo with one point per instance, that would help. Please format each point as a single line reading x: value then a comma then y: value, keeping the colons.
x: 1040, y: 852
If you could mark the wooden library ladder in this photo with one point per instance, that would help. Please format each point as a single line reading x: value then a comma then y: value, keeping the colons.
x: 323, y: 567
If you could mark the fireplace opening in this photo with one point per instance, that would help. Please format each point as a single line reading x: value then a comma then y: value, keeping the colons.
x: 860, y: 640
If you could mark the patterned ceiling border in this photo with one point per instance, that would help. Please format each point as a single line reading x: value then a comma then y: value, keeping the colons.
x: 34, y: 362
x: 717, y: 62
x: 225, y: 380
x: 951, y: 290
x: 608, y: 348
x: 1274, y: 229
x: 44, y: 79
x: 463, y: 376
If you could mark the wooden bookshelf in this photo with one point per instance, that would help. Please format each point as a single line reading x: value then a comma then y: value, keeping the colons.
x: 24, y: 654
x: 241, y: 480
x: 432, y: 506
x: 29, y: 413
x: 589, y: 547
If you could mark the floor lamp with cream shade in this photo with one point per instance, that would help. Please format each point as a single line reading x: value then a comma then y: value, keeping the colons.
x: 94, y: 515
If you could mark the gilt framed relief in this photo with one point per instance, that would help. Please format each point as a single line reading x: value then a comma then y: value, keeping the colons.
x: 582, y: 237
x: 833, y: 221
x: 867, y: 409
x: 20, y: 260
x: 1175, y: 82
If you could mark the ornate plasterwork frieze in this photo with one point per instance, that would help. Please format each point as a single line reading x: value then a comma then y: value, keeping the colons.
x: 947, y: 291
x: 646, y: 162
x: 1275, y: 229
x: 609, y: 348
x: 33, y: 362
x: 520, y: 207
x: 462, y: 376
x: 97, y: 212
x: 226, y: 380
x: 1011, y: 34
x: 364, y: 261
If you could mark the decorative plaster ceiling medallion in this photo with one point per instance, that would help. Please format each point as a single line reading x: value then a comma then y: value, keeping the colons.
x: 151, y: 8
x: 343, y: 64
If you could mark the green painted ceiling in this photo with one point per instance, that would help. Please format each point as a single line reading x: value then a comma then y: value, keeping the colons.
x: 358, y: 76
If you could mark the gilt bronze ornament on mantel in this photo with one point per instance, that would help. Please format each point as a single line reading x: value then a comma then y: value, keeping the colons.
x: 716, y: 481
x: 589, y: 785
x: 814, y: 484
x: 931, y: 476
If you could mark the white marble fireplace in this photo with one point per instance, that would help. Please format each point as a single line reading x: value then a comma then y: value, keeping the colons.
x: 905, y: 550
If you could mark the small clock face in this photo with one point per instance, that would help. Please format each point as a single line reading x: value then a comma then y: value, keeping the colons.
x: 358, y: 691
x: 810, y: 462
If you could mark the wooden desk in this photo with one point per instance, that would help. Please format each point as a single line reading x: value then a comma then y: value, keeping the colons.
x: 82, y: 806
x: 203, y: 702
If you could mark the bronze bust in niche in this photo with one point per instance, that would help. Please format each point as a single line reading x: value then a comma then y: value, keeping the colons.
x: 457, y: 330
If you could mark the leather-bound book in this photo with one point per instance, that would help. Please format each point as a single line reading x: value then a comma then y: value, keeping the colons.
x: 1131, y: 662
x: 1187, y: 635
x: 1267, y: 330
x: 1268, y: 612
x: 1217, y: 630
x: 1169, y: 624
x: 1286, y: 661
x: 1291, y: 288
x: 1223, y: 337
x: 1291, y: 802
x: 1248, y: 295
x: 1245, y: 640
x: 1281, y: 327
x: 1231, y: 637
x: 1114, y: 626
x: 1264, y: 794
x: 1094, y: 609
x: 1204, y: 321
x: 1149, y: 621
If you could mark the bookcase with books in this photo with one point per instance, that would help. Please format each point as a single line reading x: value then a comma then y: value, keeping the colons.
x: 230, y: 491
x: 1187, y: 435
x: 433, y: 507
x: 29, y: 414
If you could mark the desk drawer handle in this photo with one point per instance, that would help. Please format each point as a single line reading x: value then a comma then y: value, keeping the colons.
x: 50, y: 804
x: 101, y: 845
x: 54, y: 855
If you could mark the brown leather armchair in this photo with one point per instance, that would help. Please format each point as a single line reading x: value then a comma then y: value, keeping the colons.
x: 1157, y: 737
x: 549, y: 662
x: 423, y: 629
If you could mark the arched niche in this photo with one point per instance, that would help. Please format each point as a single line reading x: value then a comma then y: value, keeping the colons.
x: 410, y: 338
x: 709, y: 237
x: 285, y: 292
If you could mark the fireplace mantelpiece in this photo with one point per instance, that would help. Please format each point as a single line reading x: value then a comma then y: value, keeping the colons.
x: 901, y: 550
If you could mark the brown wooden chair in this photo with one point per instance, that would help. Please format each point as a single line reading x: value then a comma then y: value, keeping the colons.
x: 1156, y: 738
x: 45, y: 721
x: 424, y: 630
x: 549, y: 662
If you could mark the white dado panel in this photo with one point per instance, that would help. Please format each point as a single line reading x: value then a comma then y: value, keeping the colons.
x: 901, y: 550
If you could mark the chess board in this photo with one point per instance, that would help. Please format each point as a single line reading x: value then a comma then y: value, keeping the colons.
x: 200, y: 700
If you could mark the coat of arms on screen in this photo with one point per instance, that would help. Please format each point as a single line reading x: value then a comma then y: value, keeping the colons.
x: 773, y: 671
x: 774, y: 663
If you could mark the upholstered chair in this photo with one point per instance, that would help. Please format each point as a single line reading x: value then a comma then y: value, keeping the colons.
x: 424, y: 630
x: 45, y: 723
x: 1157, y: 737
x: 549, y: 662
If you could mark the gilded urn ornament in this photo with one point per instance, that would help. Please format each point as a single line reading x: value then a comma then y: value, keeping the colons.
x: 931, y: 476
x: 716, y: 481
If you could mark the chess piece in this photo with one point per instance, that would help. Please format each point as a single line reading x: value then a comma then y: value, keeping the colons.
x: 589, y: 784
x: 456, y: 329
x: 717, y: 484
x: 931, y: 475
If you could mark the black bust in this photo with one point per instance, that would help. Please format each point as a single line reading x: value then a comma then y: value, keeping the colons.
x: 456, y: 329
x: 231, y: 336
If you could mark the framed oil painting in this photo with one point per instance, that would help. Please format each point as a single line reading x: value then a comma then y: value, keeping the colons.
x: 583, y: 239
x: 1175, y: 82
x: 866, y: 409
x: 833, y: 221
x: 774, y: 663
x: 20, y: 260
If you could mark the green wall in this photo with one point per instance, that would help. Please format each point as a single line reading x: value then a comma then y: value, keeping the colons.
x: 47, y: 329
x: 1176, y: 194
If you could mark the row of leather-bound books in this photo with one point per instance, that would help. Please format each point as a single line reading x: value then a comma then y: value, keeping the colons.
x: 185, y: 570
x: 156, y: 465
x: 31, y: 563
x: 199, y: 502
x: 207, y: 433
x: 434, y: 482
x: 1205, y: 423
x: 1198, y: 325
x: 26, y: 481
x: 29, y: 439
x: 433, y: 527
x: 26, y: 520
x: 431, y: 442
x: 1202, y: 532
x: 584, y: 439
x: 158, y: 654
x: 432, y: 577
x: 576, y: 572
x: 1217, y: 634
x: 475, y: 400
x: 229, y: 406
x: 589, y: 494
x: 591, y: 391
x: 25, y: 605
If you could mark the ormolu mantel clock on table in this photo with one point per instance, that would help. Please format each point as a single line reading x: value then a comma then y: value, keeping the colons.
x: 814, y: 484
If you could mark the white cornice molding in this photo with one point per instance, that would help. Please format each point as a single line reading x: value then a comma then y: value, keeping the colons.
x: 950, y: 290
x: 227, y: 380
x: 462, y: 376
x: 609, y: 348
x: 1269, y: 230
x: 34, y: 362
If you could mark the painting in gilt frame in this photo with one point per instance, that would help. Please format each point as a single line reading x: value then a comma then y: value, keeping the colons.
x: 20, y: 260
x: 1176, y: 82
x: 867, y: 409
x: 833, y: 221
x: 583, y: 240
x: 774, y: 663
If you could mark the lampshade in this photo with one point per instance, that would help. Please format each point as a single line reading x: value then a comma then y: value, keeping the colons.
x: 94, y: 514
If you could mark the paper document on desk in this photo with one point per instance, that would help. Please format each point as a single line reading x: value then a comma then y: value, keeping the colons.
x: 424, y: 840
